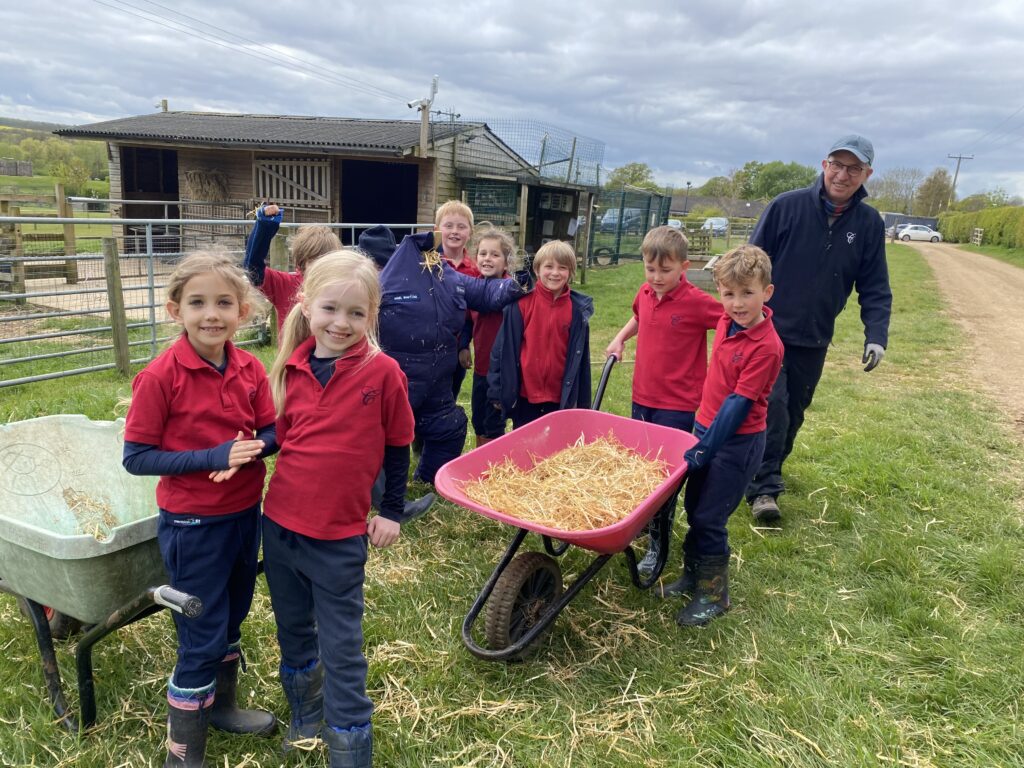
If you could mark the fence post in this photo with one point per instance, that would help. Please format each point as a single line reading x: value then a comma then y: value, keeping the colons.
x: 115, y: 298
x: 65, y: 211
x: 18, y: 266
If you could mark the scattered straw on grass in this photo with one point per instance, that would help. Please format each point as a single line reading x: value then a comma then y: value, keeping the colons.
x: 582, y: 487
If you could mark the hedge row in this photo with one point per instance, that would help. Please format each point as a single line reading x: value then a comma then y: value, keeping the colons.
x: 1003, y: 226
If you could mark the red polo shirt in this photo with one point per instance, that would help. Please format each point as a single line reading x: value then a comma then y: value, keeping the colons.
x: 546, y: 322
x: 746, y: 363
x: 281, y: 290
x: 332, y: 441
x: 181, y: 403
x: 467, y: 266
x: 485, y: 331
x: 672, y: 346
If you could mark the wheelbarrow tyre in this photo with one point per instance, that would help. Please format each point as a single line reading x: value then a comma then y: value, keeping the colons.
x: 604, y: 256
x: 62, y: 626
x: 521, y: 595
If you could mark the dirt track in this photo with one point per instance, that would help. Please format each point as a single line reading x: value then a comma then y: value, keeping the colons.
x: 982, y: 295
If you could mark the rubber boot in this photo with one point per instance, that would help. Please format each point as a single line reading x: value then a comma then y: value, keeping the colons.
x: 304, y: 690
x: 187, y: 726
x: 711, y: 598
x: 413, y: 509
x: 350, y: 747
x: 686, y: 583
x: 481, y: 440
x: 225, y: 714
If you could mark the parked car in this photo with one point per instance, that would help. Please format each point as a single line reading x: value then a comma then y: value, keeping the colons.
x: 632, y: 220
x: 899, y: 228
x: 919, y: 232
x: 675, y: 223
x: 717, y: 224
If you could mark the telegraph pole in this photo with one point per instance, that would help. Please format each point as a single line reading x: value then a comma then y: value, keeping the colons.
x: 956, y: 173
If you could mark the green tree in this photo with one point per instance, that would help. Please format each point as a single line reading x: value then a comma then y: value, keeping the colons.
x: 896, y: 189
x: 744, y: 180
x: 933, y: 194
x: 716, y: 186
x: 776, y: 177
x: 635, y: 175
x: 73, y: 174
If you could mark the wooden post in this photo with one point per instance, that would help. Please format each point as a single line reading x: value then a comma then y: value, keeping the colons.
x: 524, y: 195
x: 115, y: 298
x: 18, y: 266
x: 65, y: 211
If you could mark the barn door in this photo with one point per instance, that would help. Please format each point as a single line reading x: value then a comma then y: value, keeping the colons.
x: 295, y: 183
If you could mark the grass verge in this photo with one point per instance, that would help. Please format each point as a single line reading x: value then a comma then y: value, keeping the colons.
x: 881, y: 624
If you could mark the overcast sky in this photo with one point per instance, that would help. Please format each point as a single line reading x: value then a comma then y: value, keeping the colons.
x: 694, y: 89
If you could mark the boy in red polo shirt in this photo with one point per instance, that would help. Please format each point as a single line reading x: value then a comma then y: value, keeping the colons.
x: 454, y: 220
x: 671, y: 320
x: 540, y: 361
x: 730, y: 424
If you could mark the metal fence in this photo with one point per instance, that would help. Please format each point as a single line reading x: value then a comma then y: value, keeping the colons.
x: 621, y: 219
x: 102, y: 308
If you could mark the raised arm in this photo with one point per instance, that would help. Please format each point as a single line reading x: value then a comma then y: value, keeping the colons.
x: 257, y: 246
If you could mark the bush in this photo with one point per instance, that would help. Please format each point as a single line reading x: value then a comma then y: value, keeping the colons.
x: 1003, y: 226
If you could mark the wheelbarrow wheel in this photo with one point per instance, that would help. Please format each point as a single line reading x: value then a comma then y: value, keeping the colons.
x: 521, y: 595
x: 62, y: 626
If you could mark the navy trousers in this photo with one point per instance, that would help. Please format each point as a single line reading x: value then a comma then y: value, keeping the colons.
x: 316, y: 590
x: 713, y: 493
x: 488, y: 421
x: 524, y: 412
x: 789, y: 398
x: 682, y: 420
x: 213, y: 558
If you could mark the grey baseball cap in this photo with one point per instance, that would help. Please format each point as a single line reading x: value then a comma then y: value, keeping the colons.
x: 860, y: 146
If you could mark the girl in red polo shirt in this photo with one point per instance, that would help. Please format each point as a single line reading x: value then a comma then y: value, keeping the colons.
x: 495, y: 253
x: 540, y: 361
x: 343, y: 414
x: 194, y: 412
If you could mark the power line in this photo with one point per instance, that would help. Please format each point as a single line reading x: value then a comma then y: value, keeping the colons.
x: 995, y: 127
x: 277, y: 54
x: 180, y: 27
x: 952, y: 189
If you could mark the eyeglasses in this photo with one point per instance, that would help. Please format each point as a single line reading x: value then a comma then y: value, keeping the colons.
x: 853, y: 171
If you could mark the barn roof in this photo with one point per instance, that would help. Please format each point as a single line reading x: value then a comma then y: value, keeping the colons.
x: 267, y: 131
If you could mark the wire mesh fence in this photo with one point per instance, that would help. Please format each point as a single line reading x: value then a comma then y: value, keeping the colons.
x: 621, y: 220
x: 103, y: 307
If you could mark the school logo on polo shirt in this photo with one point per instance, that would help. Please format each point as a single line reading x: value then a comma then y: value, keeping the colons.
x: 370, y: 394
x: 737, y: 358
x: 676, y: 320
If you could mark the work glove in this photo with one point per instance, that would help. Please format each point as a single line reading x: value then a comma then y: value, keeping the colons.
x: 873, y: 354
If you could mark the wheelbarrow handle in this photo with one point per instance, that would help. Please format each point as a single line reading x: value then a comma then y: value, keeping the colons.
x: 605, y: 372
x: 183, y: 603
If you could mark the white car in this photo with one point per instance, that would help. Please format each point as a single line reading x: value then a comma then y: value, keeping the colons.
x: 675, y: 223
x: 919, y: 232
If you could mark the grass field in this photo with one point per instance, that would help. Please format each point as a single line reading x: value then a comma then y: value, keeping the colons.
x: 881, y: 625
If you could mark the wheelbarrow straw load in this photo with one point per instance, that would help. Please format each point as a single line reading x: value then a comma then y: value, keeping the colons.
x: 584, y: 486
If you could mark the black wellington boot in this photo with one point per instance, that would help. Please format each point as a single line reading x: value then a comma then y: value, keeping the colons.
x: 225, y: 714
x: 351, y: 747
x: 304, y: 690
x: 711, y: 598
x: 186, y: 736
x: 685, y: 584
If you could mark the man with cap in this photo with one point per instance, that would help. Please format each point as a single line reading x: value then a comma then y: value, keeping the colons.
x: 823, y: 241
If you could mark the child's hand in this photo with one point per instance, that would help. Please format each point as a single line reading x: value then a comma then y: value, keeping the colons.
x: 220, y: 475
x: 465, y: 358
x: 382, y: 532
x: 244, y: 451
x: 271, y: 209
x: 615, y: 348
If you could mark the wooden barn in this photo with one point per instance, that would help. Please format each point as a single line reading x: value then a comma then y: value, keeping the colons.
x: 204, y: 165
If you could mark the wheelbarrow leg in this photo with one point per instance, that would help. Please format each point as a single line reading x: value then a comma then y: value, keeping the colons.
x: 51, y: 672
x: 146, y: 604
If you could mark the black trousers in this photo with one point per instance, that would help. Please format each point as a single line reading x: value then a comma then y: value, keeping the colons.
x: 789, y: 398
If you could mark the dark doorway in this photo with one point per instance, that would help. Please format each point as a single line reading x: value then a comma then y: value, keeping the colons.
x: 150, y: 175
x: 378, y: 193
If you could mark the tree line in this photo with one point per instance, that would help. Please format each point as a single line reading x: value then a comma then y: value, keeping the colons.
x: 898, y: 190
x: 70, y: 161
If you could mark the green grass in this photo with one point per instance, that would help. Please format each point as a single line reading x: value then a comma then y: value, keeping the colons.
x: 1014, y: 256
x: 43, y: 185
x: 882, y: 625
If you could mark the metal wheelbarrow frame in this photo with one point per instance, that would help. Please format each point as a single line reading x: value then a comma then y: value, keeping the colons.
x: 524, y: 595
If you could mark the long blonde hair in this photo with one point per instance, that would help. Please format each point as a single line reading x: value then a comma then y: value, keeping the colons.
x: 344, y: 266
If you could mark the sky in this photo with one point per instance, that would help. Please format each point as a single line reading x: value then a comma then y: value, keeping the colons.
x: 694, y: 88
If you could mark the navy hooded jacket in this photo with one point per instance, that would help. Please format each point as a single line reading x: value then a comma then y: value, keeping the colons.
x: 505, y: 372
x: 423, y: 310
x: 815, y: 266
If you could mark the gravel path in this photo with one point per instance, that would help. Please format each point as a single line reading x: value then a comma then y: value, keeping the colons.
x: 982, y: 296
